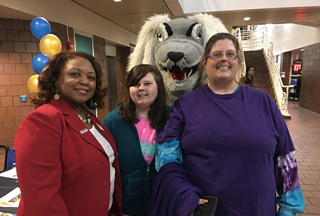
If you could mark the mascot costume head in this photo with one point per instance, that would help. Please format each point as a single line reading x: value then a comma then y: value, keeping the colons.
x: 175, y: 47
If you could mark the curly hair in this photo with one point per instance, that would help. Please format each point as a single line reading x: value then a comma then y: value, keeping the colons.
x: 158, y: 112
x: 51, y: 73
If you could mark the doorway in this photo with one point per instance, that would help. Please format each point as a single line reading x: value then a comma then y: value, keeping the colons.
x: 112, y: 84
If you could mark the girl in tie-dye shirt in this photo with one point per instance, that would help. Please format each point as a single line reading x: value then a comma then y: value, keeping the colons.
x: 134, y: 126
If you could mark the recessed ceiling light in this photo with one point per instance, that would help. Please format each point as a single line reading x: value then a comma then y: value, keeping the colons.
x: 117, y: 0
x: 247, y: 18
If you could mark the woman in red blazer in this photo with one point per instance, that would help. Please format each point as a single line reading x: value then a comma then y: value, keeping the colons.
x: 67, y: 161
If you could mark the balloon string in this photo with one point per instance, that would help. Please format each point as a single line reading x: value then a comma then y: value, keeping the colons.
x: 65, y: 7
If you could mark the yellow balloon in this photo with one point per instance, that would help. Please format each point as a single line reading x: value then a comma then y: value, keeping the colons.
x: 50, y: 45
x: 33, y: 84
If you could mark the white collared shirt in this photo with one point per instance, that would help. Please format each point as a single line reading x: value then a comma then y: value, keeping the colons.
x: 109, y: 151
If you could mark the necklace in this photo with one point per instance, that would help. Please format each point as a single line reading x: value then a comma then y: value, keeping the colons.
x: 87, y: 120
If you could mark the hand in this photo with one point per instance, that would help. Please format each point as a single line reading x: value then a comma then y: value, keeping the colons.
x: 202, y: 201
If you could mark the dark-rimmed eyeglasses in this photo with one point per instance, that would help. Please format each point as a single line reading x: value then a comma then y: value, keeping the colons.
x: 218, y: 55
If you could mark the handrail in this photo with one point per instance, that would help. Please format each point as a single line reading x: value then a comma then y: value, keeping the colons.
x: 258, y: 40
x: 242, y: 69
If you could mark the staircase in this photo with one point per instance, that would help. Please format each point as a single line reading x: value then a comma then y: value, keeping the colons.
x: 257, y: 60
x: 257, y: 50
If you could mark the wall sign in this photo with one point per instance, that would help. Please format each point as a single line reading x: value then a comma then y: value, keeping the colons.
x: 297, y: 67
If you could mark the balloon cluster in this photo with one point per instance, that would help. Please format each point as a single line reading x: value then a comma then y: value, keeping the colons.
x: 49, y: 45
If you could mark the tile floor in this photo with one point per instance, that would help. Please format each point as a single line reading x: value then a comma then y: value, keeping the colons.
x: 304, y: 127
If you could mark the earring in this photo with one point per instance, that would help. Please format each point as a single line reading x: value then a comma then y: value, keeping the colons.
x: 93, y: 103
x: 56, y: 96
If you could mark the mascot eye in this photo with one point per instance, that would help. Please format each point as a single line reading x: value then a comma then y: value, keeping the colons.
x: 197, y: 31
x: 159, y: 36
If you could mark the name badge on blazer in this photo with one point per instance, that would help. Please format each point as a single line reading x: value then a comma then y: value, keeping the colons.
x: 84, y: 131
x: 100, y: 127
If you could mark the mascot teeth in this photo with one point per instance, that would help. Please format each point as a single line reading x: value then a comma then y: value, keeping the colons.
x: 179, y: 74
x: 175, y: 47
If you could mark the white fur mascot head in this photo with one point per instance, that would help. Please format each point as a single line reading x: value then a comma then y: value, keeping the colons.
x: 175, y: 47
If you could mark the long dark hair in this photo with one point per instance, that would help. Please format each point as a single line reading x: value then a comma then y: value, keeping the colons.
x: 51, y: 73
x: 158, y: 113
x: 247, y: 69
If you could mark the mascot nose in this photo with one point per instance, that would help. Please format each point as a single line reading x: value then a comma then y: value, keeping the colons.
x: 175, y: 56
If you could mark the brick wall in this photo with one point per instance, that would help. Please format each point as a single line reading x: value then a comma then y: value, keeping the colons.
x: 17, y: 48
x: 310, y: 80
x: 100, y: 55
x: 122, y: 54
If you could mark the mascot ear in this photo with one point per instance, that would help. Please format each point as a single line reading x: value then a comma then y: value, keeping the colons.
x: 211, y: 25
x: 144, y: 51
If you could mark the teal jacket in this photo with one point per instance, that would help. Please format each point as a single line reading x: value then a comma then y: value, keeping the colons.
x: 136, y: 175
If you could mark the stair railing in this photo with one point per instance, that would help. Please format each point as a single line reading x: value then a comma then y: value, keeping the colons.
x: 242, y: 68
x: 258, y: 40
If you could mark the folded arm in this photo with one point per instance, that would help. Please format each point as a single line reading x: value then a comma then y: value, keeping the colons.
x: 168, y: 152
x: 172, y: 192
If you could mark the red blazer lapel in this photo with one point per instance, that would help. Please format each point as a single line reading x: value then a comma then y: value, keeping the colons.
x: 102, y: 130
x: 74, y: 122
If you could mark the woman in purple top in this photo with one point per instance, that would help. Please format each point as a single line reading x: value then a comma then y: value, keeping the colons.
x: 226, y: 140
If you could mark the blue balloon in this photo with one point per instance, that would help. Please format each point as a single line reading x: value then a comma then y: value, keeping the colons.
x: 39, y: 62
x: 40, y: 27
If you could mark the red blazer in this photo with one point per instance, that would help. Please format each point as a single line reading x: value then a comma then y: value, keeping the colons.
x: 62, y: 169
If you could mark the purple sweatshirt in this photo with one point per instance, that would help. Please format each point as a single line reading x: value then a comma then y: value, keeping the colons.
x: 230, y: 146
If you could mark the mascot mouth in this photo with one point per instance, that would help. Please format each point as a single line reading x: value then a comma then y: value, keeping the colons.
x: 179, y: 74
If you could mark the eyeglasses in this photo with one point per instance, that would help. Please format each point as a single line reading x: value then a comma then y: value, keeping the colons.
x: 218, y: 55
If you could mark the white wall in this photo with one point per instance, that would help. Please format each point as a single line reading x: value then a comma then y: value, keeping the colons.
x: 189, y: 6
x: 287, y: 37
x: 72, y: 14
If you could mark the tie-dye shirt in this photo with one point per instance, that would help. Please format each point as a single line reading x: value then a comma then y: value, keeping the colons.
x: 147, y: 135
